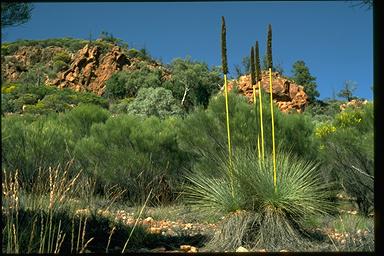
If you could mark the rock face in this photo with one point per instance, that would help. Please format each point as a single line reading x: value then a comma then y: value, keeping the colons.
x: 287, y: 95
x: 14, y: 65
x: 90, y: 70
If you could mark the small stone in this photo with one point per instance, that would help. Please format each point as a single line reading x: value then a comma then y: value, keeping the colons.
x: 185, y: 247
x: 284, y: 250
x: 193, y: 249
x: 241, y: 249
x: 154, y: 230
x: 343, y: 241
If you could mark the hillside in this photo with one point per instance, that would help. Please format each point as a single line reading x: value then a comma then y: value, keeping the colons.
x: 85, y: 66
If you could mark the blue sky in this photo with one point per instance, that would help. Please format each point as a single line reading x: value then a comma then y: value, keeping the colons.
x: 334, y: 39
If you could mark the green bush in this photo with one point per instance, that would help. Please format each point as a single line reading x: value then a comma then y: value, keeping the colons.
x: 82, y: 117
x: 154, y: 102
x: 135, y: 153
x: 347, y: 152
x: 32, y: 143
x: 127, y: 84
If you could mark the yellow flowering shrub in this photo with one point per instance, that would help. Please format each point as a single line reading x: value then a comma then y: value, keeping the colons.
x: 324, y: 129
x: 8, y: 89
x: 348, y: 118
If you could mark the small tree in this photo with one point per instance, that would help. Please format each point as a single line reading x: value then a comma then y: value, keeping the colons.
x: 302, y: 76
x: 347, y: 90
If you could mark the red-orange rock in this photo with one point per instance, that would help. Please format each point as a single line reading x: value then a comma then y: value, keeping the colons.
x: 286, y: 94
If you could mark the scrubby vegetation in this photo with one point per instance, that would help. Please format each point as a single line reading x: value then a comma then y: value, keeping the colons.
x: 157, y: 139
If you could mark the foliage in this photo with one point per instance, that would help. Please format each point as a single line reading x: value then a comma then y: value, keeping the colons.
x: 33, y: 144
x: 82, y: 117
x: 15, y: 14
x: 108, y: 37
x: 154, y: 102
x: 44, y: 99
x: 127, y: 84
x: 347, y: 150
x: 278, y: 215
x: 293, y: 131
x: 302, y: 76
x: 135, y: 153
x: 253, y: 66
x: 73, y: 45
x: 192, y: 82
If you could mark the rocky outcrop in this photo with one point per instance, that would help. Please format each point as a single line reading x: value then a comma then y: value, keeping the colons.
x: 353, y: 103
x: 90, y: 69
x: 287, y: 95
x: 23, y: 59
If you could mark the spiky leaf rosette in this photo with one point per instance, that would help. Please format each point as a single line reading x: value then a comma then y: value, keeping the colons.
x: 279, y: 215
x: 224, y: 46
x: 257, y: 62
x: 269, y: 47
x: 252, y: 65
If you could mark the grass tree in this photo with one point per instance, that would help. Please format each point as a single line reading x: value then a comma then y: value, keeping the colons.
x: 270, y: 65
x: 259, y: 216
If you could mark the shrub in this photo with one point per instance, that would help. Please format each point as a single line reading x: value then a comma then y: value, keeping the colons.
x: 127, y: 84
x: 347, y: 151
x: 33, y: 143
x: 82, y: 117
x: 135, y: 153
x: 154, y: 102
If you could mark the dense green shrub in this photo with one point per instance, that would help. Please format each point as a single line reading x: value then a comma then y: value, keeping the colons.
x: 154, y: 102
x: 127, y: 84
x: 45, y: 99
x: 135, y: 153
x: 81, y: 118
x: 30, y: 143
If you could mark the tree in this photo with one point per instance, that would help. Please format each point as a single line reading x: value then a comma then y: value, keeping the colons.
x: 302, y: 76
x: 15, y: 13
x: 192, y: 83
x: 348, y: 89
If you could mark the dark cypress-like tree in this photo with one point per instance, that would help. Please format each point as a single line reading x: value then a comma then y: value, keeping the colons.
x: 257, y: 62
x: 252, y: 64
x: 269, y: 47
x: 224, y: 46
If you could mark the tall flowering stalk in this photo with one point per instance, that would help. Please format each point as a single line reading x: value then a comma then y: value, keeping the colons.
x: 253, y: 82
x: 225, y: 72
x: 270, y: 65
x: 258, y: 80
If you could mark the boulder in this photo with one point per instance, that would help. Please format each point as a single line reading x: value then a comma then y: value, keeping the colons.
x: 286, y: 94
